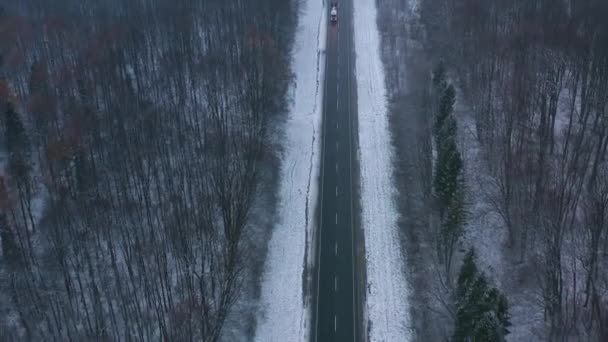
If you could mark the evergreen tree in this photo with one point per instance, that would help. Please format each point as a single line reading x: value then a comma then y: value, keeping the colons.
x: 481, y: 310
x: 17, y: 145
x: 445, y: 109
x: 452, y: 228
x: 468, y: 272
x: 10, y: 248
x: 448, y: 167
x: 448, y: 182
x: 42, y: 102
x: 15, y: 131
x: 439, y: 78
x: 448, y: 174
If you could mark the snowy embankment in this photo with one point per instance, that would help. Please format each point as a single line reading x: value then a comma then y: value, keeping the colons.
x: 387, y: 308
x: 285, y: 308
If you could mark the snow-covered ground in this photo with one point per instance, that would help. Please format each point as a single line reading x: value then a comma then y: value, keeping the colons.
x: 486, y: 232
x: 285, y: 309
x: 387, y: 307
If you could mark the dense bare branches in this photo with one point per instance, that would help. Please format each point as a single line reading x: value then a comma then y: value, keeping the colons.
x: 144, y: 129
x: 535, y: 73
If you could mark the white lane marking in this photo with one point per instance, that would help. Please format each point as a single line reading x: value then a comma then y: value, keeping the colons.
x: 336, y: 253
x: 336, y: 284
x: 336, y: 191
x: 337, y: 124
x: 337, y: 168
x: 336, y: 218
x: 338, y: 92
x: 335, y: 323
x: 337, y: 146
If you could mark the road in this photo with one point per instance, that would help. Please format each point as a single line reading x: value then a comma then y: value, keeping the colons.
x: 335, y: 314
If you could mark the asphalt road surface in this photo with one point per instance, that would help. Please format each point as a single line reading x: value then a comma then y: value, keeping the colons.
x: 335, y: 318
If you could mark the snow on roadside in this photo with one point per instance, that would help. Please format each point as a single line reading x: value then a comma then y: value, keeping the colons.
x: 285, y: 310
x: 387, y: 293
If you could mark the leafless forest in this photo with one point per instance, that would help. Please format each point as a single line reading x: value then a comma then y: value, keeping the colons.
x: 534, y: 74
x: 135, y: 140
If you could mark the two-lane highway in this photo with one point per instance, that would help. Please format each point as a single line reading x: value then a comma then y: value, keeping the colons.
x: 335, y: 314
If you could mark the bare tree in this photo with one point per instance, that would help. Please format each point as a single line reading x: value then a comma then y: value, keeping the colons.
x: 149, y: 130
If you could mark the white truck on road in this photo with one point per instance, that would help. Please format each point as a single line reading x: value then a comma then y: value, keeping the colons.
x: 333, y: 13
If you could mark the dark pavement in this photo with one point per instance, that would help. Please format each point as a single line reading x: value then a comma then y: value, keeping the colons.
x: 335, y: 318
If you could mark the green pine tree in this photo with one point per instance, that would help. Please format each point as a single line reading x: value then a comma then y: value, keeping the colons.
x: 481, y: 310
x: 452, y: 228
x: 447, y: 180
x: 10, y: 248
x: 446, y: 134
x: 448, y: 166
x: 468, y: 273
x: 439, y: 78
x: 445, y: 109
x: 17, y: 145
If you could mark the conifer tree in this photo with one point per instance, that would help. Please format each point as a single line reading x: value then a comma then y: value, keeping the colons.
x: 481, y: 310
x: 448, y: 169
x: 17, y: 145
x: 10, y: 248
x: 449, y: 191
x: 448, y: 182
x: 444, y: 110
x: 439, y: 79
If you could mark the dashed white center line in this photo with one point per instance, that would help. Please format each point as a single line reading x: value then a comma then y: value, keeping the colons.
x: 336, y: 253
x: 335, y: 284
x: 337, y: 146
x: 335, y: 323
x: 338, y: 91
x: 336, y: 191
x: 337, y: 124
x: 337, y: 168
x: 336, y: 218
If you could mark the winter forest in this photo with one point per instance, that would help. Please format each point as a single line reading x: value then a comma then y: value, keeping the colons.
x: 142, y: 142
x: 135, y: 135
x: 517, y: 108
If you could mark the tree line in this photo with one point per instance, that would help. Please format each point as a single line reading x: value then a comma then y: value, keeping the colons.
x: 477, y: 310
x: 535, y: 74
x: 135, y: 136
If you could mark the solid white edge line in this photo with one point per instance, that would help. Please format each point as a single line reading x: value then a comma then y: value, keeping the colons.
x: 338, y: 92
x: 323, y: 123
